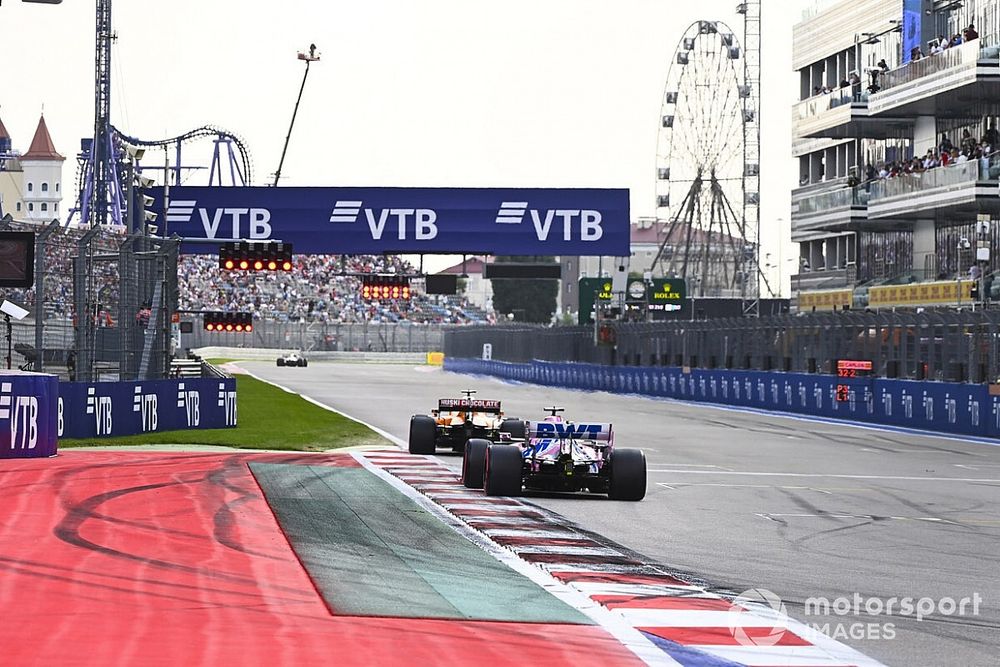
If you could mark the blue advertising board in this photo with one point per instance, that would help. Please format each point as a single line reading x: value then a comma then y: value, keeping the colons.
x: 28, y: 414
x: 946, y: 407
x: 404, y: 220
x: 100, y: 409
x: 913, y: 17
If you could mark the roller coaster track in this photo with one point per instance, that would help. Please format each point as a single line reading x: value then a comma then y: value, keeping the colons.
x: 203, y: 132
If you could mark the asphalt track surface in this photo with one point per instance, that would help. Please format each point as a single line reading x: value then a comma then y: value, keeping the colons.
x: 742, y: 500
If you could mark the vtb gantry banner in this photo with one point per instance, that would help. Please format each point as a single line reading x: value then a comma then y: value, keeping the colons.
x: 403, y: 220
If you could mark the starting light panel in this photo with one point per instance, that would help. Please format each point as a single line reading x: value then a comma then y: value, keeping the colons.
x: 255, y: 256
x: 379, y: 288
x: 228, y: 322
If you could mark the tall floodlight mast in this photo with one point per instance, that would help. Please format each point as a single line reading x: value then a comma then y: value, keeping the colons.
x: 102, y: 187
x: 310, y: 56
x: 751, y: 148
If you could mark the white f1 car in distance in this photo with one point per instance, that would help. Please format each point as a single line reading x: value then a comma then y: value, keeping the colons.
x: 293, y: 359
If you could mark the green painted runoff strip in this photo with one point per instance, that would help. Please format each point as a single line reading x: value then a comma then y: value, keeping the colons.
x: 371, y: 551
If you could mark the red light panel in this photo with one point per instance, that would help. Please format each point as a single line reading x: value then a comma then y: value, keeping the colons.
x: 287, y: 266
x: 244, y: 264
x: 272, y: 265
x: 230, y: 264
x: 258, y: 265
x: 210, y: 327
x: 229, y: 327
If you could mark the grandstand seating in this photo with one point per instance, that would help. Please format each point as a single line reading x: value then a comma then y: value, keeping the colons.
x: 314, y: 291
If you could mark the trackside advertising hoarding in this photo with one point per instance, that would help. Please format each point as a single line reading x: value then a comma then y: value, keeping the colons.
x: 405, y: 220
x: 945, y: 407
x: 28, y: 414
x: 101, y: 409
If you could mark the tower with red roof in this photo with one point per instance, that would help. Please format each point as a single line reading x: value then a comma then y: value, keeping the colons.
x: 42, y: 176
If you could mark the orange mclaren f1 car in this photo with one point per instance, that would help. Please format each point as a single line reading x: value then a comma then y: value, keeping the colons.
x: 456, y: 420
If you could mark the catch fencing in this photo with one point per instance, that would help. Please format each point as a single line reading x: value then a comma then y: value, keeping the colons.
x: 101, y: 305
x: 323, y: 337
x: 962, y: 346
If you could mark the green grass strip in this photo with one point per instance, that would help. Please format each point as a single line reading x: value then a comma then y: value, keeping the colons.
x: 268, y: 418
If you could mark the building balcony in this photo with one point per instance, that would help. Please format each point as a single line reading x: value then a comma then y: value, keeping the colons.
x: 952, y: 192
x: 969, y: 73
x: 815, y: 213
x: 843, y: 114
x: 824, y: 279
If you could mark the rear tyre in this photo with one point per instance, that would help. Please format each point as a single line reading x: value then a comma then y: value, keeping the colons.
x: 281, y: 362
x: 423, y: 433
x: 628, y: 475
x: 303, y: 363
x: 503, y: 470
x: 515, y: 427
x: 474, y: 463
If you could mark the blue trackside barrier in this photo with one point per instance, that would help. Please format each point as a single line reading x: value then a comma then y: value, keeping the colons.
x: 946, y: 407
x: 28, y: 414
x: 99, y: 409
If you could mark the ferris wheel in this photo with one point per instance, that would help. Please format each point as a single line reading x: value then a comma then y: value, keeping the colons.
x: 707, y: 176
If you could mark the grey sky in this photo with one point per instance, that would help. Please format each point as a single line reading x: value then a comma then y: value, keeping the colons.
x: 409, y: 92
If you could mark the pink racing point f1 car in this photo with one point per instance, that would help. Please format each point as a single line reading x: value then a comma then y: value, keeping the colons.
x: 555, y: 455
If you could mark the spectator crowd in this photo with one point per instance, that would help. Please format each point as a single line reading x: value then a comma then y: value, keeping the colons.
x: 59, y: 252
x: 942, y: 43
x: 935, y: 47
x: 946, y: 153
x: 318, y: 289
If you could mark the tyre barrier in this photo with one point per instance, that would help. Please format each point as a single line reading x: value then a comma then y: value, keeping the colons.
x: 946, y: 407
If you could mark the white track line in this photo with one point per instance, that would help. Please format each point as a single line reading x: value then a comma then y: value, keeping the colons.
x: 822, y: 474
x: 568, y: 551
x: 565, y: 533
x: 631, y: 638
x: 694, y: 618
x: 601, y: 588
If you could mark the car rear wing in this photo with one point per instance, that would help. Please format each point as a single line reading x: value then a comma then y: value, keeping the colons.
x: 474, y: 404
x: 581, y: 431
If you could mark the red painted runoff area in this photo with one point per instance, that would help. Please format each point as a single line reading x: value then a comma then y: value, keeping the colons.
x: 153, y: 558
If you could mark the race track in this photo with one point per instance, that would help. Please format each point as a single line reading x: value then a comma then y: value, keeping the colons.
x: 741, y: 500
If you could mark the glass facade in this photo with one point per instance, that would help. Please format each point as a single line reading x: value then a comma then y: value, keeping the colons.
x: 884, y: 255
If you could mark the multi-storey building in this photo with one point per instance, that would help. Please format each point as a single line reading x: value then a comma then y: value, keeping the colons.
x: 886, y: 87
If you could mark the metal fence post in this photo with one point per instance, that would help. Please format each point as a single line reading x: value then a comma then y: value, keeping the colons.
x: 41, y: 245
x: 85, y: 319
x: 127, y: 309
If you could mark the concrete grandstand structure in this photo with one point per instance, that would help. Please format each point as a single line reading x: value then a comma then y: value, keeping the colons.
x: 896, y: 141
